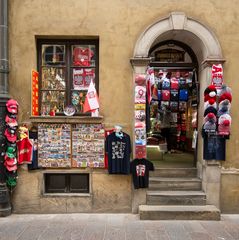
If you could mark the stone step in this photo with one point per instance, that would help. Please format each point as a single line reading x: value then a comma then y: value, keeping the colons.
x: 175, y: 198
x: 174, y: 172
x: 158, y: 183
x: 152, y: 212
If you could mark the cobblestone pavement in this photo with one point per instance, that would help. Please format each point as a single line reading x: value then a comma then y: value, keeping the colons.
x: 113, y: 227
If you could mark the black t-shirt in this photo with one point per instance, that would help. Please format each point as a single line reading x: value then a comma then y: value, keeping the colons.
x: 140, y: 171
x: 34, y: 164
x: 118, y: 150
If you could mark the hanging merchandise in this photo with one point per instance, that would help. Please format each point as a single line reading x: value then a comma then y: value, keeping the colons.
x: 118, y: 147
x: 91, y: 103
x: 217, y: 76
x: 140, y: 133
x: 217, y: 121
x: 10, y: 160
x: 88, y: 145
x: 183, y: 95
x: 54, y: 144
x: 140, y: 171
x: 194, y: 141
x: 174, y: 83
x: 165, y: 95
x: 182, y: 83
x: 33, y: 138
x: 140, y: 94
x: 142, y: 83
x: 35, y: 93
x: 24, y: 146
x: 150, y: 81
x: 82, y: 56
x: 107, y: 133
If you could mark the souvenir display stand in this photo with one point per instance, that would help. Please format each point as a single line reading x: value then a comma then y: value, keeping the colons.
x: 217, y: 120
x: 72, y: 145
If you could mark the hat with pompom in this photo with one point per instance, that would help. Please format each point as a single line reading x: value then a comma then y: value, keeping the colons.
x: 224, y: 107
x: 225, y: 93
x: 210, y: 93
x: 210, y: 103
x: 210, y: 122
x: 224, y: 124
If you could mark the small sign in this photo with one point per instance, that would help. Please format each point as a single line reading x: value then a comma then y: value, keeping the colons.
x: 35, y: 93
x: 217, y: 75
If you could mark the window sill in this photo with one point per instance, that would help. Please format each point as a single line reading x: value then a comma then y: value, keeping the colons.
x: 66, y: 195
x: 65, y: 119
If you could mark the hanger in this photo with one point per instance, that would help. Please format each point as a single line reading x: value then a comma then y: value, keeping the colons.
x: 118, y: 131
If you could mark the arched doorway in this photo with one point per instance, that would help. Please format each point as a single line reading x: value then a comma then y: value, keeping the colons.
x: 171, y: 115
x: 205, y: 46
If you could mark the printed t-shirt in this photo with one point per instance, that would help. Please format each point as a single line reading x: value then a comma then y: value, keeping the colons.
x: 140, y: 171
x: 24, y: 148
x: 118, y: 150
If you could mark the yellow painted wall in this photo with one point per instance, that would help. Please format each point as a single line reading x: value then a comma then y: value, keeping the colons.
x: 118, y: 23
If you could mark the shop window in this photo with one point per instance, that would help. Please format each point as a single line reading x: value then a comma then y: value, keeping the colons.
x: 66, y: 183
x: 66, y: 68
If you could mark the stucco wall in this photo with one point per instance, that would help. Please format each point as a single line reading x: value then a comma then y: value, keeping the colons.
x: 230, y: 192
x: 109, y: 193
x: 118, y: 24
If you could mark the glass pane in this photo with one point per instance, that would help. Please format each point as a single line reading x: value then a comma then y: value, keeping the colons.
x: 55, y: 183
x: 82, y: 78
x: 83, y: 55
x: 79, y: 183
x: 53, y: 54
x: 52, y: 101
x: 78, y: 99
x: 53, y: 78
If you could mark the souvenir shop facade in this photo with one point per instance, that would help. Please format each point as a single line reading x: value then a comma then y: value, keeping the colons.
x: 72, y: 175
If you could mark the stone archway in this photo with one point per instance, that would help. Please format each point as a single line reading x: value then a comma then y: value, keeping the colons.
x: 178, y: 26
x: 204, y: 43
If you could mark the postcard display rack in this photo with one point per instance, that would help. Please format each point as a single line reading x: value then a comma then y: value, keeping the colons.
x: 71, y: 145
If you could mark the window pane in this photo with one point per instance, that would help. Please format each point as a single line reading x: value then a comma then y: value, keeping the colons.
x: 79, y: 183
x: 55, y: 183
x: 82, y: 78
x: 53, y: 78
x: 78, y: 99
x: 83, y: 55
x: 52, y: 100
x: 53, y: 54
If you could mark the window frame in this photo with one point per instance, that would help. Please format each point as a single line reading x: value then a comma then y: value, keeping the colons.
x: 68, y: 66
x: 67, y: 187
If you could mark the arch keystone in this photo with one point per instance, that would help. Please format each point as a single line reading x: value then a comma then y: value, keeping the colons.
x: 178, y: 20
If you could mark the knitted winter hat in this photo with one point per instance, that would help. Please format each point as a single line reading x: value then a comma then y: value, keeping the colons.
x: 225, y: 89
x: 210, y: 110
x: 224, y: 107
x: 210, y: 92
x: 225, y: 119
x: 140, y: 80
x: 225, y: 95
x: 209, y: 126
x: 224, y: 124
x: 210, y: 103
x: 210, y: 117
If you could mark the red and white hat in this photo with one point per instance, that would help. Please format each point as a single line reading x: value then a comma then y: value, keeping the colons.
x: 10, y: 163
x: 11, y: 122
x: 11, y: 137
x: 12, y: 106
x: 224, y: 124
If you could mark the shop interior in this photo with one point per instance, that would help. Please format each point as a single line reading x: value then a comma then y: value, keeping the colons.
x: 172, y: 112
